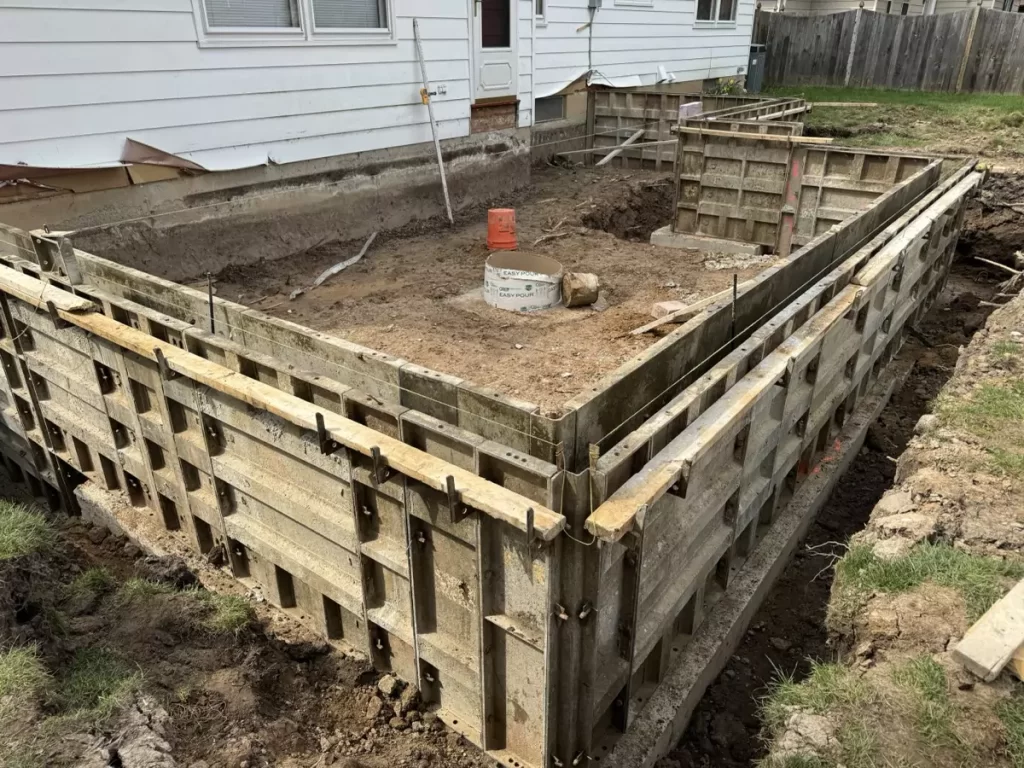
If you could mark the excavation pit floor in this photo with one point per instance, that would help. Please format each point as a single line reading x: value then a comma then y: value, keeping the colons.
x: 417, y: 294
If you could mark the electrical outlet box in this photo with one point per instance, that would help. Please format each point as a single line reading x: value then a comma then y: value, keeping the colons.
x: 442, y: 89
x: 593, y: 4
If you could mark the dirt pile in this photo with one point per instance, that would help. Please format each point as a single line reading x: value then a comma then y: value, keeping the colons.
x: 939, y: 548
x: 112, y: 658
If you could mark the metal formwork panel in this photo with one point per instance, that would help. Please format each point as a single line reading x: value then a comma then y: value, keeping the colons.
x: 218, y: 443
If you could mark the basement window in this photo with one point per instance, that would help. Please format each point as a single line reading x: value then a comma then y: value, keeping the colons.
x: 221, y: 23
x: 549, y: 108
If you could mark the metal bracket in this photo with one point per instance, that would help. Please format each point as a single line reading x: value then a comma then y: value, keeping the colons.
x: 381, y: 471
x: 327, y: 444
x: 531, y: 534
x: 456, y: 508
x: 58, y: 321
x: 165, y: 370
x: 560, y: 612
x: 585, y: 610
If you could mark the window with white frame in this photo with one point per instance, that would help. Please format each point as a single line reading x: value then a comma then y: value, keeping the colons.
x: 716, y: 11
x: 285, y: 22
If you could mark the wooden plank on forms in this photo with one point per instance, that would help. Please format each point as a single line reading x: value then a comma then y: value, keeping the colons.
x: 685, y: 313
x: 615, y: 152
x: 755, y: 136
x: 995, y: 637
x: 491, y: 499
x: 39, y: 294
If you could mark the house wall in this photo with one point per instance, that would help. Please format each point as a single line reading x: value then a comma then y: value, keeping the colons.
x: 79, y: 78
x: 632, y: 38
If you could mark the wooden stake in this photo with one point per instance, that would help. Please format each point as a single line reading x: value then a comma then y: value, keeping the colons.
x: 425, y: 95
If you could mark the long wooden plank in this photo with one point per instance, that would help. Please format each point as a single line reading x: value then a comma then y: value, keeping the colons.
x: 492, y: 499
x: 618, y: 150
x: 990, y: 644
x: 39, y: 294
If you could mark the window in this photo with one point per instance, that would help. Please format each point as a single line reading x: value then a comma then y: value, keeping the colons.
x: 539, y: 7
x: 292, y: 22
x: 549, y: 108
x: 262, y: 14
x: 716, y: 12
x: 904, y: 9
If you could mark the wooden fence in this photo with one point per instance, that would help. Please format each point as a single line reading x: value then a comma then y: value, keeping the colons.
x: 971, y: 50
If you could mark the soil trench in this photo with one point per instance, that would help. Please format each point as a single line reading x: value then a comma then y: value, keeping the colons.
x: 789, y: 630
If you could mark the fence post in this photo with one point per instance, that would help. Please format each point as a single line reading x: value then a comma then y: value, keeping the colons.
x: 967, y: 48
x: 853, y: 45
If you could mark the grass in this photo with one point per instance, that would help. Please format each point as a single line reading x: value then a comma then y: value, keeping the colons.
x: 218, y: 613
x: 979, y: 580
x: 829, y: 689
x: 1011, y: 715
x: 949, y: 122
x: 95, y: 686
x: 135, y: 590
x: 90, y: 584
x: 925, y: 681
x: 23, y: 677
x: 23, y: 531
x: 994, y: 413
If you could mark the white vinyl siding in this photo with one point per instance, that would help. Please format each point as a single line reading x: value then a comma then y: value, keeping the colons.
x: 77, y: 82
x: 631, y: 42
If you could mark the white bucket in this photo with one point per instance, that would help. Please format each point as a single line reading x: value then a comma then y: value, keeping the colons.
x: 522, y: 282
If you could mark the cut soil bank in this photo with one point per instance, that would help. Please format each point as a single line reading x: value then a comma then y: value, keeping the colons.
x: 789, y: 631
x: 110, y: 658
x: 417, y: 294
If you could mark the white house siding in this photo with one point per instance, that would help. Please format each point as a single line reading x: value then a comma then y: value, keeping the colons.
x: 78, y: 77
x: 525, y: 63
x: 633, y: 39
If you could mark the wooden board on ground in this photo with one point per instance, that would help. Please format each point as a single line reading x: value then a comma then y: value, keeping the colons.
x: 994, y: 639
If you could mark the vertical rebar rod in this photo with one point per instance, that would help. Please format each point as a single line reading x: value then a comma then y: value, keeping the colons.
x: 209, y: 295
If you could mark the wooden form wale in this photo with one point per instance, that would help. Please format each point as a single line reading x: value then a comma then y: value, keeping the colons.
x: 739, y: 443
x: 392, y: 533
x: 323, y: 469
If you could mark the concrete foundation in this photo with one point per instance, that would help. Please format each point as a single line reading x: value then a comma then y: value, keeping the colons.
x: 666, y: 238
x: 267, y: 213
x: 550, y: 584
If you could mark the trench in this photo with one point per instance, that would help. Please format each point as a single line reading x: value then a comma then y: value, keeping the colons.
x: 789, y: 632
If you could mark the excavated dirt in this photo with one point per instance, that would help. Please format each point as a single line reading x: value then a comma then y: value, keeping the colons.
x: 789, y: 631
x: 418, y: 292
x: 268, y: 694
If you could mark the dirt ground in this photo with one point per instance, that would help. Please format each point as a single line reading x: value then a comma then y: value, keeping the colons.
x: 790, y: 633
x: 418, y: 292
x: 253, y: 689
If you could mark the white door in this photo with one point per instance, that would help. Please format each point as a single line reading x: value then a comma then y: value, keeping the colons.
x: 495, y: 47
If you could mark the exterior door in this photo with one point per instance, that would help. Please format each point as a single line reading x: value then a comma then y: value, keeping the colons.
x: 495, y: 48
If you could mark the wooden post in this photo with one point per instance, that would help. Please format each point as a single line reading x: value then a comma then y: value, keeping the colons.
x: 967, y: 48
x: 853, y: 47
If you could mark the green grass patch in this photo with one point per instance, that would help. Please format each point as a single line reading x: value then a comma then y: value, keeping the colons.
x: 95, y: 686
x: 827, y: 688
x: 216, y: 612
x: 933, y: 713
x: 993, y: 413
x: 23, y: 531
x: 90, y: 584
x: 1008, y: 103
x: 142, y: 589
x: 23, y: 677
x: 947, y: 122
x: 980, y: 580
x: 225, y: 613
x: 1011, y: 715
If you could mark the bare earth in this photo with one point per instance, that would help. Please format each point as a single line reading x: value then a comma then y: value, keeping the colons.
x: 418, y: 294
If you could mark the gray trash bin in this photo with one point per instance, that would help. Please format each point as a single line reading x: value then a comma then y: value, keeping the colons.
x: 755, y: 69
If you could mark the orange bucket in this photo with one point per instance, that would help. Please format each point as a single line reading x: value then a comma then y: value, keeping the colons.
x: 501, y: 229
